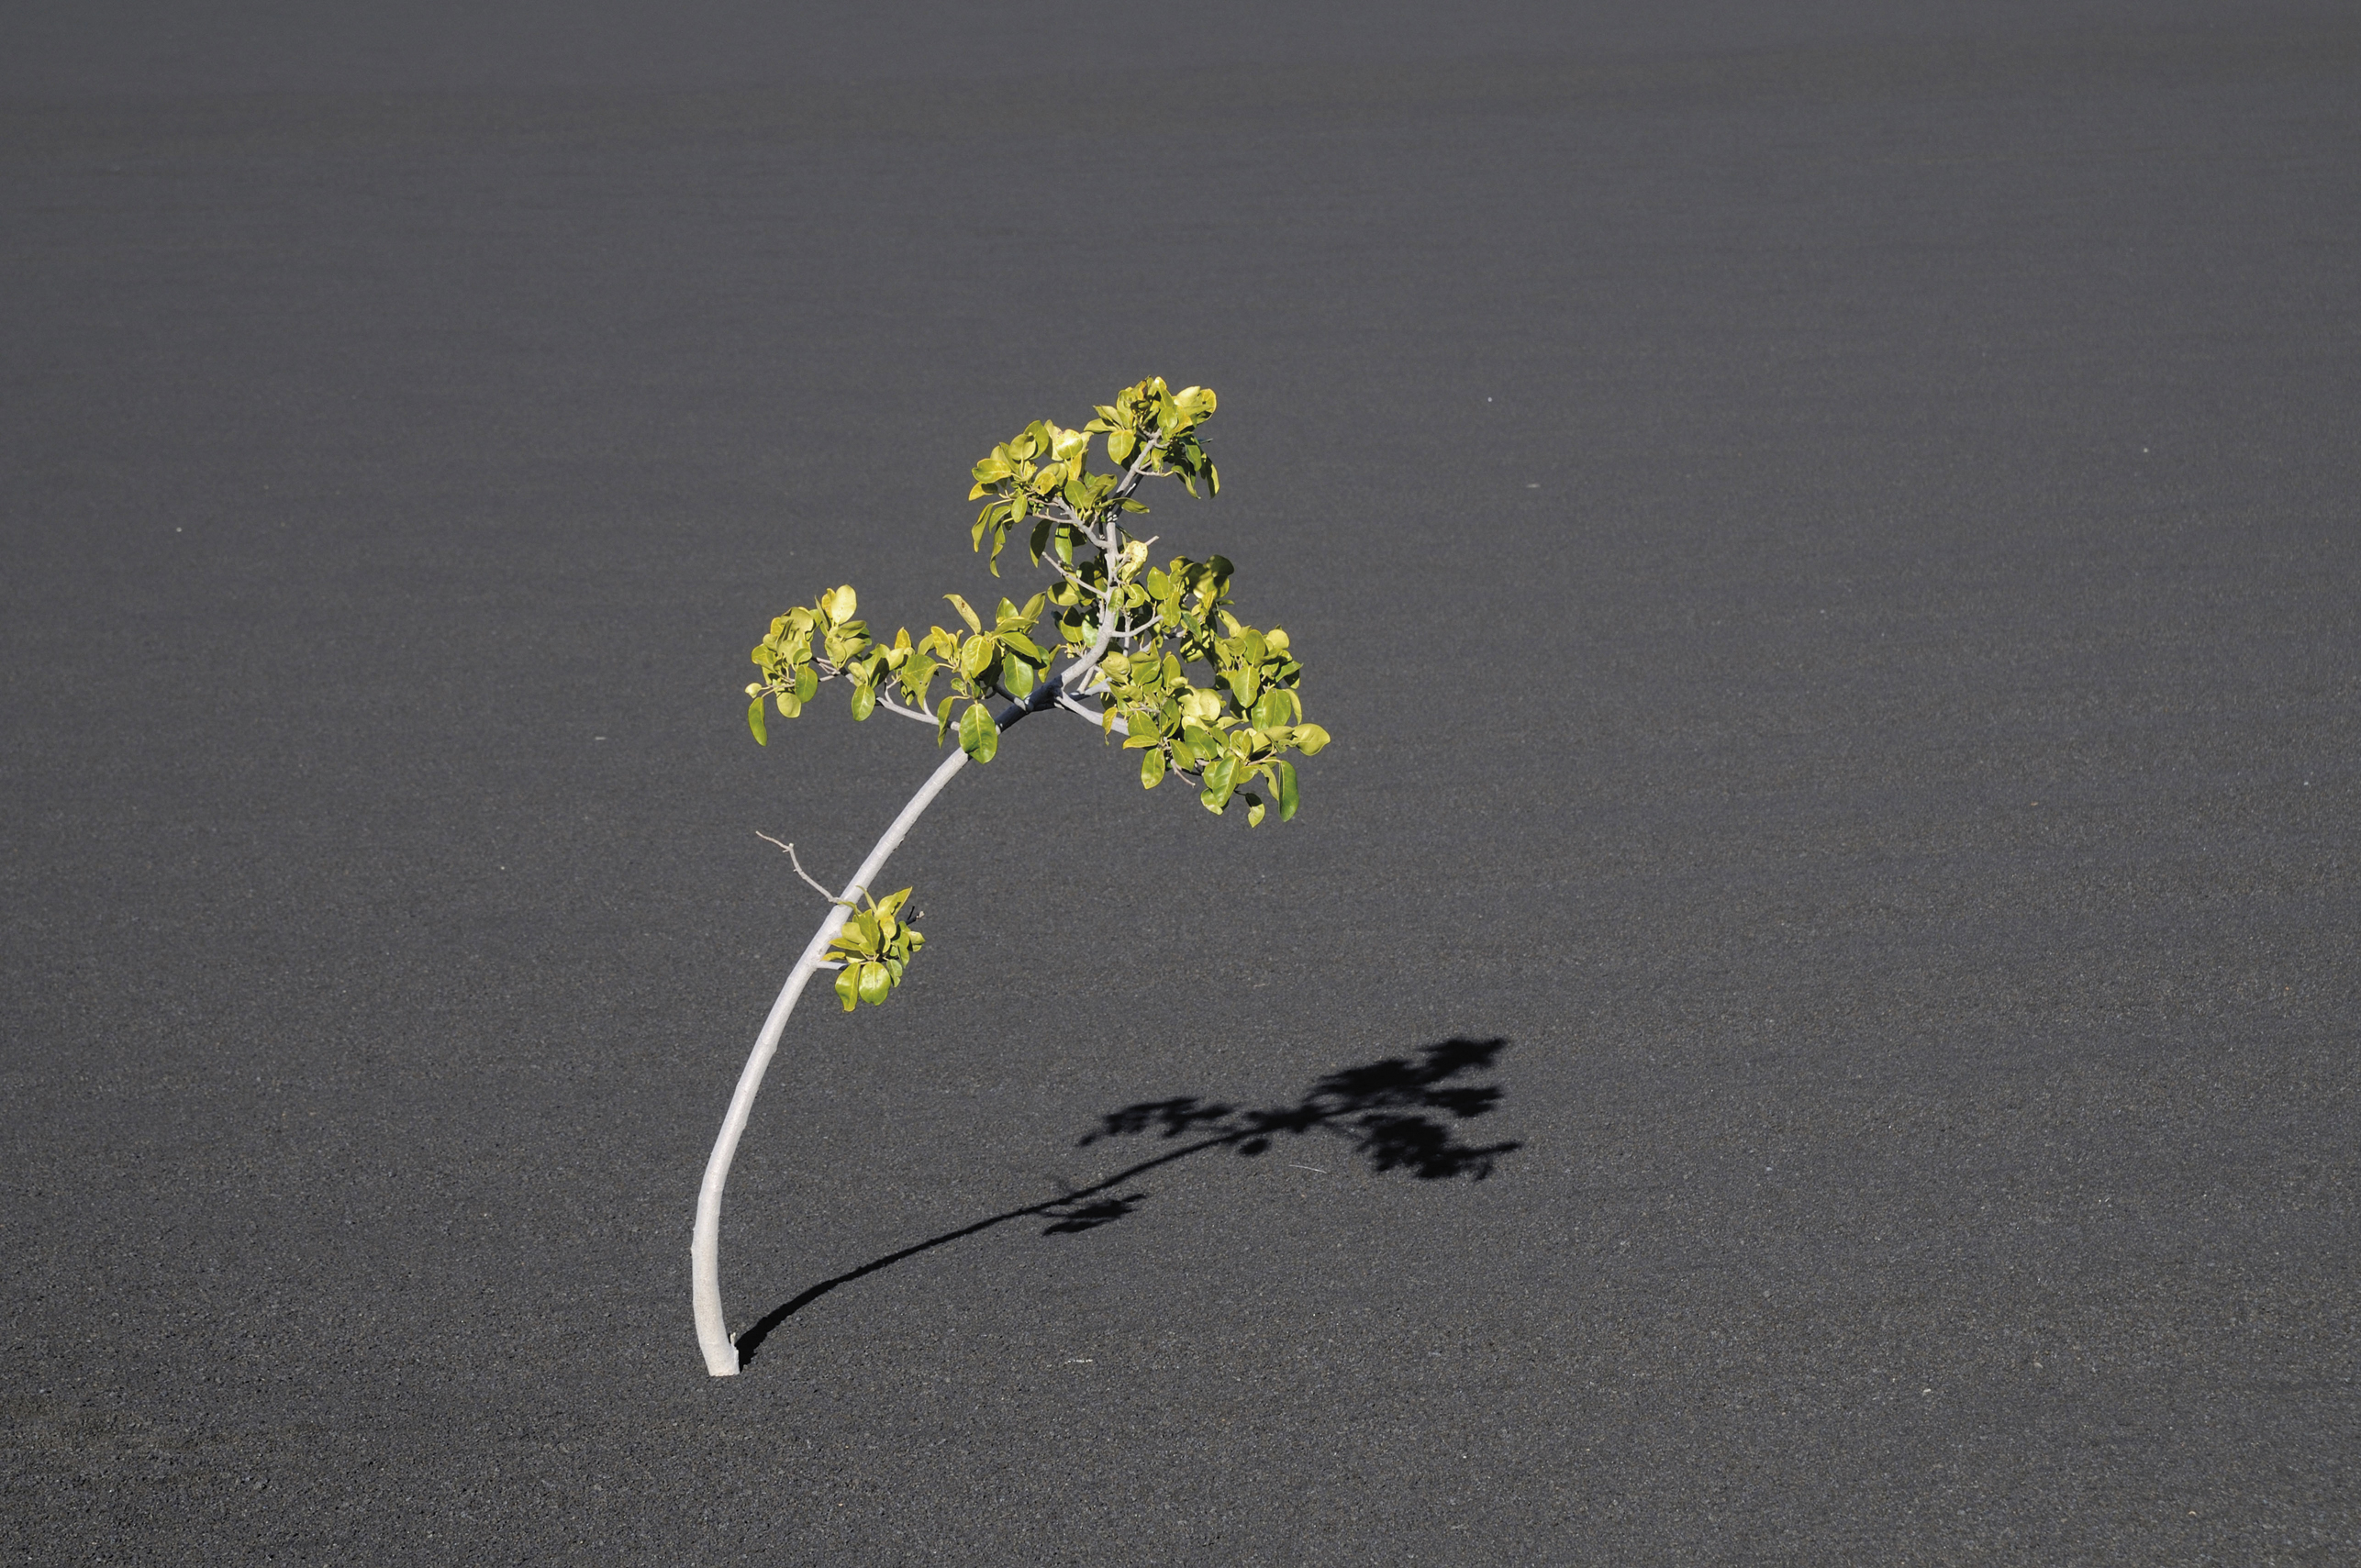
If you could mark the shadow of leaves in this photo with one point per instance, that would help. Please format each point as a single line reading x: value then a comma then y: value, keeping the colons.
x: 1395, y: 1114
x: 1399, y: 1113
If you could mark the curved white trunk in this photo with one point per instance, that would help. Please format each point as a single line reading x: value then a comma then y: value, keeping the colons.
x: 705, y: 1251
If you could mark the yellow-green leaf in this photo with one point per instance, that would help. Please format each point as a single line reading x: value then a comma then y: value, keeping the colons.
x: 978, y: 736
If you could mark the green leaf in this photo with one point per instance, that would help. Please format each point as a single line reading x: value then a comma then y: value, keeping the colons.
x: 1253, y: 811
x: 754, y: 722
x: 847, y: 982
x: 865, y: 700
x: 875, y: 985
x: 976, y: 654
x: 1283, y: 774
x: 1152, y: 769
x: 1018, y: 676
x: 807, y: 683
x: 1221, y: 783
x: 978, y: 736
x: 1310, y: 738
x: 916, y: 676
x: 975, y: 623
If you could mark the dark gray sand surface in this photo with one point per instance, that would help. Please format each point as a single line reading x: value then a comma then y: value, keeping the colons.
x: 1826, y: 535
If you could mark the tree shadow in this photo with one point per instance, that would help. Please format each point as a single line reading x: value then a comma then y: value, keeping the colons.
x: 1397, y: 1113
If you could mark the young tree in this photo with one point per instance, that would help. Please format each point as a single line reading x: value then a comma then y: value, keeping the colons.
x: 1191, y: 688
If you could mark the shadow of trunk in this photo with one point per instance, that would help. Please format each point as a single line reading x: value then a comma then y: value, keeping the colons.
x: 1397, y: 1113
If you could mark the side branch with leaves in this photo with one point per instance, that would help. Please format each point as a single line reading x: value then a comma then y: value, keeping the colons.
x: 1157, y: 649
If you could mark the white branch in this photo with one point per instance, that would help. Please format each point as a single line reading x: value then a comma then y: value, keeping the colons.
x: 890, y: 705
x: 1131, y: 480
x: 1117, y: 727
x: 704, y: 1249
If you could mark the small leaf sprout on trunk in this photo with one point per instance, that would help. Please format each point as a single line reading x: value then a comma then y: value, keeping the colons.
x: 1157, y: 649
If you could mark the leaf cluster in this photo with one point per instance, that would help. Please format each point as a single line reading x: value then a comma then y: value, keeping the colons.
x: 820, y: 642
x: 1195, y: 690
x: 804, y: 647
x: 876, y: 946
x: 1230, y: 731
x: 1042, y: 472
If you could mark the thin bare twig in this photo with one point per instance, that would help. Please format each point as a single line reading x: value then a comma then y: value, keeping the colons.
x: 815, y: 887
